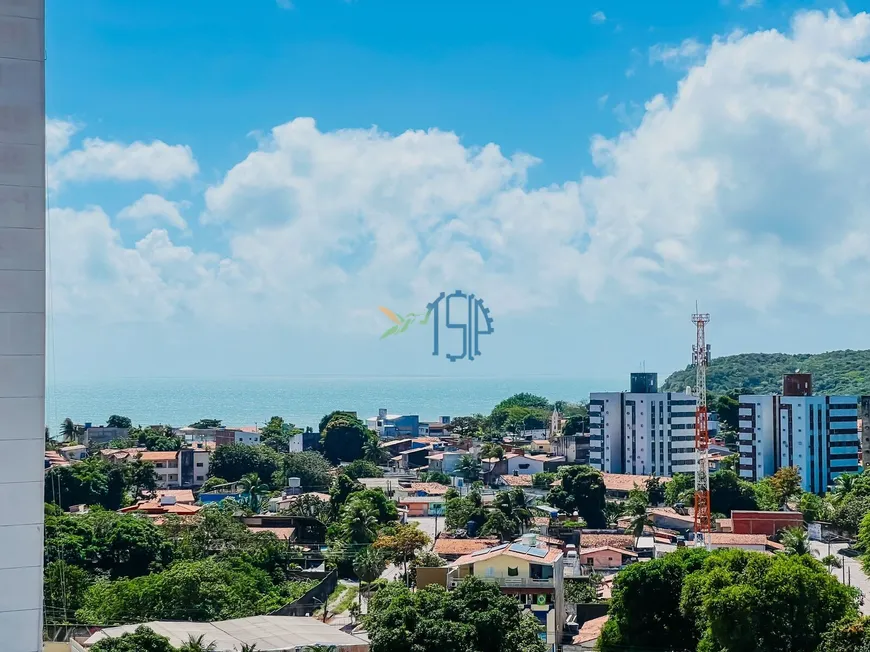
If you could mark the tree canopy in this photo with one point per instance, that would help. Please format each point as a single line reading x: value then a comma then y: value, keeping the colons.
x: 343, y: 438
x: 582, y: 491
x: 117, y: 421
x: 475, y: 617
x: 834, y: 372
x: 234, y: 461
x: 725, y: 601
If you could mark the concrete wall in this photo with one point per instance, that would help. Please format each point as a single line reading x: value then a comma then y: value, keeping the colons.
x: 22, y: 321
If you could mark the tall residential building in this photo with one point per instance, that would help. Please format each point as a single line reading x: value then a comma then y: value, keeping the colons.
x: 22, y: 321
x: 816, y: 434
x: 643, y: 431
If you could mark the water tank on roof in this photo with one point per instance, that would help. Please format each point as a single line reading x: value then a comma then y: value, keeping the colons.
x: 530, y: 539
x: 294, y: 482
x: 167, y: 500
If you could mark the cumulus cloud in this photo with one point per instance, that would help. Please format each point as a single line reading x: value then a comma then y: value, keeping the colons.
x: 151, y: 207
x: 598, y: 17
x: 744, y: 186
x: 689, y: 50
x: 98, y: 160
x: 57, y: 135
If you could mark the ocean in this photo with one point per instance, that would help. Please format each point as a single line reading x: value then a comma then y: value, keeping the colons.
x: 299, y: 400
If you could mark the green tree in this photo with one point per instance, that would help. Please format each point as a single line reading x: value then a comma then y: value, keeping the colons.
x: 212, y: 482
x: 786, y: 484
x: 473, y: 426
x: 234, y: 461
x: 141, y: 475
x: 814, y: 508
x: 197, y: 644
x: 403, y: 544
x: 343, y: 439
x: 844, y: 486
x: 490, y: 451
x: 313, y: 470
x: 499, y: 525
x: 276, y: 434
x: 582, y: 491
x: 424, y: 559
x: 437, y: 477
x: 63, y: 589
x: 475, y: 616
x: 655, y: 490
x: 368, y: 564
x: 92, y: 481
x: 142, y: 640
x: 460, y: 511
x: 70, y: 431
x: 372, y: 451
x: 728, y: 407
x: 116, y: 421
x: 680, y: 489
x: 205, y: 424
x: 543, y: 480
x: 728, y: 492
x: 359, y: 523
x: 848, y: 635
x: 849, y: 512
x: 309, y: 505
x: 583, y: 591
x: 468, y: 468
x: 796, y: 541
x: 332, y: 415
x: 250, y: 484
x: 576, y: 425
x: 831, y: 561
x: 362, y: 469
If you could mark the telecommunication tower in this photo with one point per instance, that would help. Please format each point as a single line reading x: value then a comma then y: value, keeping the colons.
x: 701, y: 358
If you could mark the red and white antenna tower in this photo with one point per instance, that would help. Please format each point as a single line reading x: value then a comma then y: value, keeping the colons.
x: 701, y: 355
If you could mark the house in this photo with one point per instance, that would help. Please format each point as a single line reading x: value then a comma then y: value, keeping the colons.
x: 53, y: 459
x: 587, y: 639
x: 756, y: 542
x: 412, y: 458
x: 280, y: 503
x: 513, y: 463
x: 187, y: 467
x: 427, y: 489
x: 452, y: 549
x: 121, y: 455
x: 303, y: 529
x: 262, y: 632
x: 514, y: 481
x: 574, y: 448
x: 541, y: 446
x: 181, y: 496
x: 671, y: 519
x: 74, y: 453
x: 767, y: 523
x: 606, y: 557
x: 396, y: 425
x: 531, y: 573
x: 165, y: 465
x: 103, y: 434
x: 220, y: 436
x: 423, y: 505
x: 445, y: 461
x: 599, y: 540
x: 160, y: 507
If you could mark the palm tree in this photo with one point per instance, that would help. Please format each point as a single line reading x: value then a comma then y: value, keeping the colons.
x: 796, y: 542
x: 373, y: 452
x: 252, y: 486
x: 197, y: 645
x: 831, y: 561
x: 368, y: 565
x: 468, y: 468
x: 249, y: 647
x: 843, y: 486
x: 69, y: 430
x: 321, y: 648
x: 360, y: 523
x: 638, y: 523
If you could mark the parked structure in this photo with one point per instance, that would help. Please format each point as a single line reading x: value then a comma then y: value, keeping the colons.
x: 643, y: 431
x: 816, y: 434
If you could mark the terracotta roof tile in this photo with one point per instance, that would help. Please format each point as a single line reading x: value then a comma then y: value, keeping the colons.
x: 517, y: 480
x: 591, y: 630
x: 159, y: 456
x: 608, y: 540
x: 445, y: 546
x: 430, y: 488
x: 552, y: 555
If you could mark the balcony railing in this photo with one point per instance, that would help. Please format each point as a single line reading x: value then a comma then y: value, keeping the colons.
x: 506, y: 581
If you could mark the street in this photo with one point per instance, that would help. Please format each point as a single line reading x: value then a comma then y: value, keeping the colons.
x: 854, y: 574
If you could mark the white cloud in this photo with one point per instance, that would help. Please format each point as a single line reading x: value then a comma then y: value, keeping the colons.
x: 98, y: 160
x: 57, y: 135
x: 690, y: 50
x: 151, y: 207
x: 598, y: 17
x: 745, y: 187
x: 748, y: 4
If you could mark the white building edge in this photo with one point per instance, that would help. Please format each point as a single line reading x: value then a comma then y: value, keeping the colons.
x: 22, y: 321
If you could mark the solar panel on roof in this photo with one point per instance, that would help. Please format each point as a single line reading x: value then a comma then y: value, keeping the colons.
x: 537, y: 552
x: 519, y: 548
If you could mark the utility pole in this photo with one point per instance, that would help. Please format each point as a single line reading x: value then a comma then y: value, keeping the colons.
x: 701, y: 353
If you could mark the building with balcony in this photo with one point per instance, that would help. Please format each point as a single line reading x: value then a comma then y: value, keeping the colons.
x: 817, y: 434
x: 643, y: 431
x: 529, y: 571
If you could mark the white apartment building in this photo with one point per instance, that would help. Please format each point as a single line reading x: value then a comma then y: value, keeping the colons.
x: 22, y: 321
x: 816, y: 434
x: 642, y: 432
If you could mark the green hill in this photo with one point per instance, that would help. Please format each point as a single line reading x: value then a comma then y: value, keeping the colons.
x: 835, y: 372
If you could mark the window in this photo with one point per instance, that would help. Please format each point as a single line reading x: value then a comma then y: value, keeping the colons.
x: 523, y: 466
x: 199, y: 465
x: 200, y: 478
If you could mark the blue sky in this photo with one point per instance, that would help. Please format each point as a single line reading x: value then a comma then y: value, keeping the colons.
x: 189, y: 238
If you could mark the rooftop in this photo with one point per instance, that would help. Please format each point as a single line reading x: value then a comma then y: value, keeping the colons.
x: 158, y: 456
x: 591, y: 630
x: 266, y: 632
x: 180, y: 495
x: 153, y: 507
x: 531, y: 554
x: 606, y: 540
x: 622, y: 551
x: 431, y: 488
x: 517, y: 480
x: 669, y: 512
x: 445, y: 546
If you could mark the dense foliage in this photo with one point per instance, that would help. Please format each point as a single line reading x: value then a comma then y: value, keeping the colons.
x: 582, y: 491
x: 725, y: 601
x: 476, y: 617
x: 835, y: 372
x: 344, y: 437
x: 94, y: 481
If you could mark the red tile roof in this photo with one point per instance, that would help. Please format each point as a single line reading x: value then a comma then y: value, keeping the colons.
x: 622, y: 551
x: 591, y: 630
x: 153, y: 507
x: 158, y: 456
x: 552, y: 555
x: 446, y: 546
x: 430, y: 488
x: 517, y: 480
x: 610, y: 540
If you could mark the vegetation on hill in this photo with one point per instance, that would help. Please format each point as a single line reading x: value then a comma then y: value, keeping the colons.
x: 834, y: 372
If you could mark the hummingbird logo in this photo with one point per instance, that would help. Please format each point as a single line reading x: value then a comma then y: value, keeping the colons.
x: 402, y: 323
